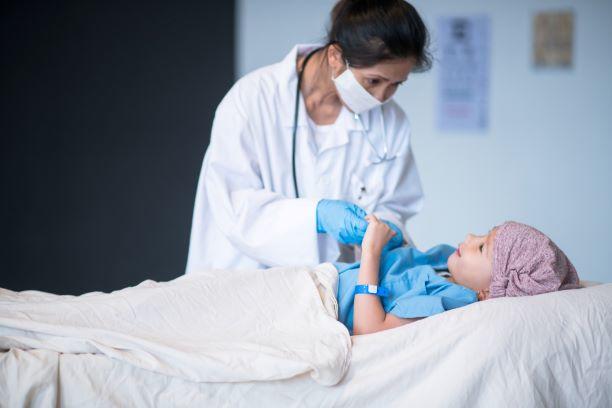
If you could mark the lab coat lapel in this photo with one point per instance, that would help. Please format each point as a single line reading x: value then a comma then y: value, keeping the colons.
x: 345, y: 124
x: 346, y: 121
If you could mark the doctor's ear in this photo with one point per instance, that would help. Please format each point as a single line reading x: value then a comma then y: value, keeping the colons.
x: 335, y: 60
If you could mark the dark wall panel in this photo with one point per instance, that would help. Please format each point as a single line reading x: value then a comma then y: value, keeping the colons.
x: 106, y: 110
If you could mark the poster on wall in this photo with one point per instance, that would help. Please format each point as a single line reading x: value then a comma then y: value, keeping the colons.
x: 463, y: 75
x: 553, y: 34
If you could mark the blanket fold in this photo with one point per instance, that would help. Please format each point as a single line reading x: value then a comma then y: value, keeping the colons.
x: 219, y: 326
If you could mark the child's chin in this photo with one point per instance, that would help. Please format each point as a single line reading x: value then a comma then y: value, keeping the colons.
x: 451, y: 262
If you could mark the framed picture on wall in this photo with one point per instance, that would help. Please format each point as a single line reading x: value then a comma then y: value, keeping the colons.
x: 553, y: 39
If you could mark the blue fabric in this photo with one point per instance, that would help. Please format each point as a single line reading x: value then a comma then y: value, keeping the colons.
x: 415, y: 290
x: 397, y: 240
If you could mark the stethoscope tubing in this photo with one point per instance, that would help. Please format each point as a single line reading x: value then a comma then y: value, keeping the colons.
x: 295, y: 118
x: 384, y: 158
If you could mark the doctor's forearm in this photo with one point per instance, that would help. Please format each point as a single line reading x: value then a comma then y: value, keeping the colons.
x: 267, y: 227
x: 368, y: 313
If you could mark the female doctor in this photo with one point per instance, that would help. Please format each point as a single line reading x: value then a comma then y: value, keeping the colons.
x: 301, y: 150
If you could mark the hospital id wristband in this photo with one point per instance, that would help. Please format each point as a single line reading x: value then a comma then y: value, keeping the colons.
x: 371, y: 290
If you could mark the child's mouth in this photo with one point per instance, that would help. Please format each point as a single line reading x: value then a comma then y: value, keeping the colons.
x: 459, y: 250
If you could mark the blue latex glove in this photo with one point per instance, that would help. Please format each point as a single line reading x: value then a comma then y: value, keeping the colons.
x: 397, y: 240
x: 342, y: 220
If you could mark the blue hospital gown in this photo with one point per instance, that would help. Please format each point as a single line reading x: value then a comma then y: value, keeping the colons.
x: 415, y: 290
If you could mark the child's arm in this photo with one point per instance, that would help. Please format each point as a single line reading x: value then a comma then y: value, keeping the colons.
x: 368, y: 313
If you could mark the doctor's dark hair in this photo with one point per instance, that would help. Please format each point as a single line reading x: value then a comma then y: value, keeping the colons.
x: 371, y: 31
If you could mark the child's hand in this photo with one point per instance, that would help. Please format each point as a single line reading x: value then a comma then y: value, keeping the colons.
x: 377, y: 235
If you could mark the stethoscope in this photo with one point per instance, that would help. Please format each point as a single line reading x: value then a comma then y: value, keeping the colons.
x: 379, y: 158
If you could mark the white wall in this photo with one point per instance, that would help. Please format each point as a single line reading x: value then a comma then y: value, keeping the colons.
x: 546, y: 159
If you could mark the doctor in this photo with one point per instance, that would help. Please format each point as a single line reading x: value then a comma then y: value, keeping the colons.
x: 301, y: 150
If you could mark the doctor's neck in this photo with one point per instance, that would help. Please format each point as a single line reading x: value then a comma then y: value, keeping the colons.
x: 318, y: 89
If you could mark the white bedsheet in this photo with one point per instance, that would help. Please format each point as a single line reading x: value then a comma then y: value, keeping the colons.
x: 546, y: 350
x: 236, y: 326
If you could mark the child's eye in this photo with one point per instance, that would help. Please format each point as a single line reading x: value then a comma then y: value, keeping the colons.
x: 481, y: 247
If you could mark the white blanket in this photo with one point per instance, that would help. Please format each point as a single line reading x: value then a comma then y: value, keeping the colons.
x: 552, y: 350
x: 220, y: 326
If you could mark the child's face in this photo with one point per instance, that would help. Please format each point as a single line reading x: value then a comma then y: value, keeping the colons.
x: 472, y: 264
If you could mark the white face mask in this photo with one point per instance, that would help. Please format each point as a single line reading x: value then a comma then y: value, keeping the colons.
x: 354, y: 96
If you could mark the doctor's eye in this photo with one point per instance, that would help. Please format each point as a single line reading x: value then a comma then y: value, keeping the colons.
x: 373, y: 81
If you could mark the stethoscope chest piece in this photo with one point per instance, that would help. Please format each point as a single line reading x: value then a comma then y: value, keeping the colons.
x: 379, y: 158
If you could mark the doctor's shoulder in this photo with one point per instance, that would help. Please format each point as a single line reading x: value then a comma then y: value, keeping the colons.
x: 250, y: 91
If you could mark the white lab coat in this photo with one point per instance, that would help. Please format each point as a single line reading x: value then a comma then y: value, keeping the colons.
x: 246, y: 214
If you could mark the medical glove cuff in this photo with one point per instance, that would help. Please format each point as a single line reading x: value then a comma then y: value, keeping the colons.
x: 320, y: 228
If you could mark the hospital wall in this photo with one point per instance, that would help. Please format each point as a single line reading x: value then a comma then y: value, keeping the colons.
x: 105, y: 115
x: 545, y: 158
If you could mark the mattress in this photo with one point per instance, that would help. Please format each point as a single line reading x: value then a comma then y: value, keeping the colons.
x: 546, y: 350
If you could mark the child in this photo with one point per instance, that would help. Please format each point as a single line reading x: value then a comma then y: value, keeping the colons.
x: 513, y: 259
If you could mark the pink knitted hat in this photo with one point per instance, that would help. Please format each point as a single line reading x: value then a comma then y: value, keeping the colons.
x: 526, y: 262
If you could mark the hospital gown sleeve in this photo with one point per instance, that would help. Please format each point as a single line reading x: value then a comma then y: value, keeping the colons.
x: 264, y: 225
x: 403, y: 194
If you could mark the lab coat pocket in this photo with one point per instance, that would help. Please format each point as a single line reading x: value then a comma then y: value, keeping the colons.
x: 368, y: 189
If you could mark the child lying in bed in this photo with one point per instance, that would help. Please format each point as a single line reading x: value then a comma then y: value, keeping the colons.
x: 513, y: 259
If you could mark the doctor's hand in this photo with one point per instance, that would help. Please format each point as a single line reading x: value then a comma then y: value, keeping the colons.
x: 342, y: 220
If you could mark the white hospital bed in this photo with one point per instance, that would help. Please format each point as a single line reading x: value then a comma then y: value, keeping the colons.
x: 552, y: 350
